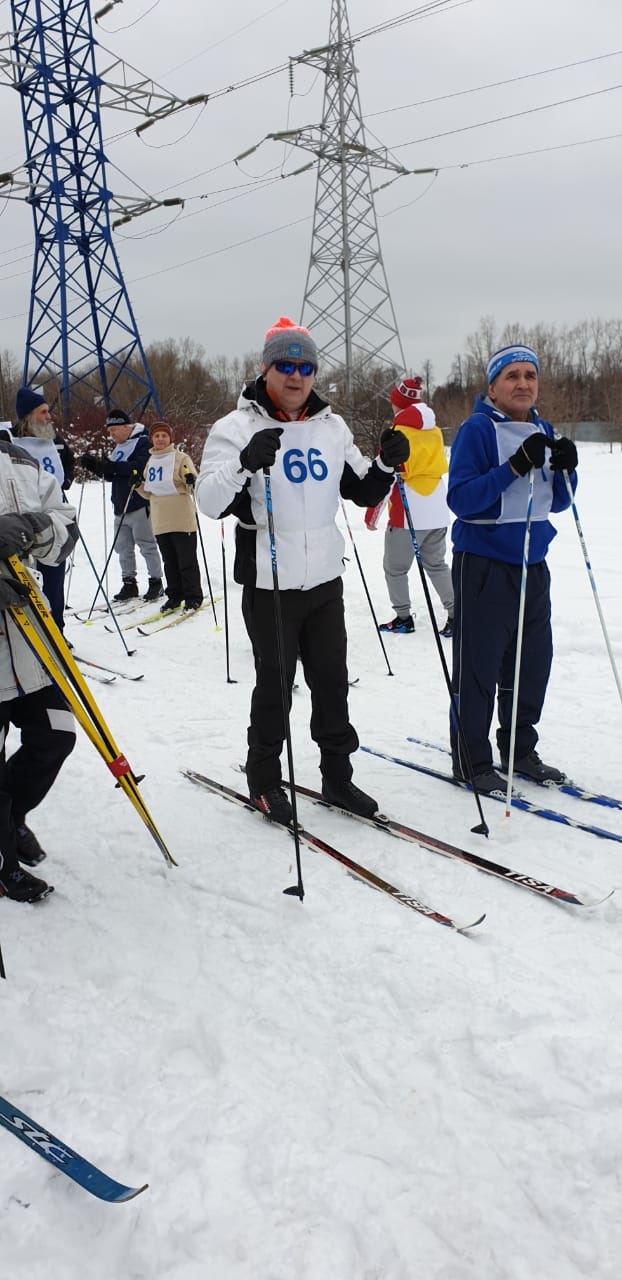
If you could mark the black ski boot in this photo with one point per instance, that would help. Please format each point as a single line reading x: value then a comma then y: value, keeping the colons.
x: 154, y: 590
x: 129, y: 590
x: 275, y: 805
x: 29, y: 850
x: 487, y: 783
x: 22, y: 887
x: 346, y: 796
x: 533, y: 767
x: 170, y: 604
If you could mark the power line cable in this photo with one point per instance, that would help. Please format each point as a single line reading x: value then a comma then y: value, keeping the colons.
x: 514, y: 115
x: 494, y: 84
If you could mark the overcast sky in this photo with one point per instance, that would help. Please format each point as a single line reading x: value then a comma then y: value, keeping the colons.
x: 528, y: 239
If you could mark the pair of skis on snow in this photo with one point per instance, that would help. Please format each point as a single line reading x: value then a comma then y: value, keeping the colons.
x: 400, y: 831
x: 518, y: 801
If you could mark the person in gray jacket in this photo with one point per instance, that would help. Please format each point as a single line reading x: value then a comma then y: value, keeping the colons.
x: 33, y: 520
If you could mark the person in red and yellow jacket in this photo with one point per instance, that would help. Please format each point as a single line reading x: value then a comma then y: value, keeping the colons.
x: 426, y: 493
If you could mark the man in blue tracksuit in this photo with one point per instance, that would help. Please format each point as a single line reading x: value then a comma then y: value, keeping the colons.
x: 491, y: 457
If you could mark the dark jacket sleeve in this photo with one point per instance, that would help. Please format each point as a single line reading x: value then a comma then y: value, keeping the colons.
x: 367, y: 490
x: 136, y: 462
x: 68, y: 460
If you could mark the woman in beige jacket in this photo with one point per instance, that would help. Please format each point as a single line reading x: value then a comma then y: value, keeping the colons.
x: 169, y: 479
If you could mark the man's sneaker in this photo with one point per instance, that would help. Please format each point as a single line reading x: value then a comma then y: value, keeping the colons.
x: 487, y: 783
x: 154, y: 590
x: 275, y: 805
x: 129, y: 590
x: 22, y: 887
x: 448, y: 629
x: 346, y: 796
x: 29, y: 850
x: 532, y: 767
x: 399, y: 626
x: 171, y: 603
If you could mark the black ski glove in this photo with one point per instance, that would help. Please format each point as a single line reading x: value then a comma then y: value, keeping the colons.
x: 530, y: 454
x: 18, y: 532
x: 13, y: 593
x: 564, y: 456
x: 190, y: 479
x: 261, y: 449
x: 394, y: 448
x: 92, y: 463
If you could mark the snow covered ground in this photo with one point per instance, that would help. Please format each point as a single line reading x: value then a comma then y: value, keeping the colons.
x: 341, y: 1088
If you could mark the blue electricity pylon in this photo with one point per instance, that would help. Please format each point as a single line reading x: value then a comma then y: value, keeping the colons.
x: 81, y: 327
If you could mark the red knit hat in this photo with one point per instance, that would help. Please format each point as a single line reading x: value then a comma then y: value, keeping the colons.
x: 407, y: 391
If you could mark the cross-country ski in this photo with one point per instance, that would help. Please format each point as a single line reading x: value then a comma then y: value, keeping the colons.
x: 63, y: 1158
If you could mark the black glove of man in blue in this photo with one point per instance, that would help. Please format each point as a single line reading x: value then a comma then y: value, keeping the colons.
x: 564, y: 456
x: 530, y: 454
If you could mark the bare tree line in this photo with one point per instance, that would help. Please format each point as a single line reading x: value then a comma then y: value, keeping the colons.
x: 580, y: 381
x: 580, y: 371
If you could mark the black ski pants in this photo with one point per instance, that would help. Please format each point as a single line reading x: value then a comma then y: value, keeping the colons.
x: 181, y: 567
x: 314, y: 630
x: 47, y: 738
x: 487, y: 599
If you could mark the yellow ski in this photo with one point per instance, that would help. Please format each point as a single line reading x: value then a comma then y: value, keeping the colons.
x: 48, y: 643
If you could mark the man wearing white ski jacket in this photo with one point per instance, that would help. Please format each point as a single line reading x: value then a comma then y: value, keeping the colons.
x: 33, y: 519
x: 281, y: 424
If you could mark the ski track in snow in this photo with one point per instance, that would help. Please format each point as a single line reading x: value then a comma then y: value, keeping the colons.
x: 340, y: 1088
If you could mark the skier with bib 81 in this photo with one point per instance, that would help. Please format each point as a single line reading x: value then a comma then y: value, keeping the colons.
x: 283, y: 425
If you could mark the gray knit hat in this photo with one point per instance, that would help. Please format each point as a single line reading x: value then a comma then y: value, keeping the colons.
x: 288, y: 341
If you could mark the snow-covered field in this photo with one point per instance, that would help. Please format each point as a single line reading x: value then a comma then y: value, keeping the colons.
x: 339, y: 1089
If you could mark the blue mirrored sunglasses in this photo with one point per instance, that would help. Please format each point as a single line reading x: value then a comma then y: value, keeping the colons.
x: 289, y: 366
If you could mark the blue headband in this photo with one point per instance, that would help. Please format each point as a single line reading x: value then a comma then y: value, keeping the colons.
x: 510, y: 355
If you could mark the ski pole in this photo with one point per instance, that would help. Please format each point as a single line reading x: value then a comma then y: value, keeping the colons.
x: 369, y: 600
x: 592, y: 583
x: 2, y: 968
x: 129, y: 652
x: 519, y: 643
x: 105, y: 531
x: 73, y: 554
x: 296, y: 889
x: 199, y: 531
x: 100, y: 580
x: 224, y: 587
x: 482, y: 828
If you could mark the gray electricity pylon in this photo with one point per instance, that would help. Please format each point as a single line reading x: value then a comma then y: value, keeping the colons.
x: 347, y: 303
